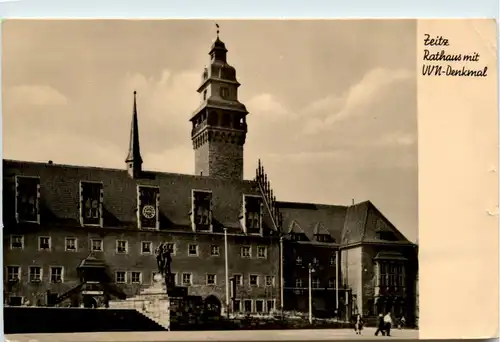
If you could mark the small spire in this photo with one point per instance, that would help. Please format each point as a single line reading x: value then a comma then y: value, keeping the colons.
x: 218, y: 30
x: 134, y: 159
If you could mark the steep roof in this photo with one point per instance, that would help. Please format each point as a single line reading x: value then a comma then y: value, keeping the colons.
x: 309, y: 217
x: 59, y: 188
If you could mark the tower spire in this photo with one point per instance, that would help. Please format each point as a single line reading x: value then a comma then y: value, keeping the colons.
x: 134, y: 159
x: 218, y: 30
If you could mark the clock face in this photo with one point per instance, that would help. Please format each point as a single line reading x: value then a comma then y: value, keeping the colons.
x: 148, y: 211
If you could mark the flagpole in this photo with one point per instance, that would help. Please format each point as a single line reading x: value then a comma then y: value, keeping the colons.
x: 227, y: 270
x: 337, y: 282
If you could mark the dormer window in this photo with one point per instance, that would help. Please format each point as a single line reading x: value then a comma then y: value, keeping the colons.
x: 201, y: 211
x: 323, y: 238
x: 27, y: 199
x: 298, y: 237
x: 387, y: 236
x: 252, y: 214
x: 148, y: 207
x: 91, y: 198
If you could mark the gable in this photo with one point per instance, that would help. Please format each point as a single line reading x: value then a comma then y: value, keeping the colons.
x: 380, y: 229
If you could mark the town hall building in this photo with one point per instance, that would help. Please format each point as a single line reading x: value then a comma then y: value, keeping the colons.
x: 59, y: 219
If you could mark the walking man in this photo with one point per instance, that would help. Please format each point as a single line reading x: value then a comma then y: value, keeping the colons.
x: 380, y: 325
x: 388, y: 324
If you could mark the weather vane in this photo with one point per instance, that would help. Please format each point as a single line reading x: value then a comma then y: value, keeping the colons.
x: 217, y: 25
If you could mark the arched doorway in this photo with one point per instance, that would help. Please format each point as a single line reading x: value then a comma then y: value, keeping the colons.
x: 213, y: 306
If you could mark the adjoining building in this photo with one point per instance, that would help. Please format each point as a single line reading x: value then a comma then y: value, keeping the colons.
x: 56, y: 215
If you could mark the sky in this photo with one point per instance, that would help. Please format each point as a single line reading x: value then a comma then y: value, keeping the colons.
x: 333, y: 104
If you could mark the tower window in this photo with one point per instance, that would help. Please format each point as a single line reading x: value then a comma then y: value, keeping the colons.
x: 204, y: 95
x: 224, y: 92
x: 28, y: 199
x: 91, y: 196
x: 201, y: 212
x: 226, y: 120
x: 148, y: 207
x: 252, y: 214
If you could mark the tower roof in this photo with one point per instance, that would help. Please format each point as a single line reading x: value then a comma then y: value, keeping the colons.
x: 134, y: 151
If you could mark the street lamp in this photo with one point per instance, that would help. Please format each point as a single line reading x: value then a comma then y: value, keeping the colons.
x: 311, y: 271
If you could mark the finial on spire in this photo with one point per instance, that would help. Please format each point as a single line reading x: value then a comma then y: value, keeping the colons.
x: 218, y: 29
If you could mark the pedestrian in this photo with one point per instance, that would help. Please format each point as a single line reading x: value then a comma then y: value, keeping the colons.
x: 380, y: 325
x: 358, y: 324
x: 402, y: 322
x: 387, y: 324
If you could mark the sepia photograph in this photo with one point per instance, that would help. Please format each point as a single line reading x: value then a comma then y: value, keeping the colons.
x: 210, y: 179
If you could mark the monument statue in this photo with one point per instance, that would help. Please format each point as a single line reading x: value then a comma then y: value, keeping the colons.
x: 164, y: 261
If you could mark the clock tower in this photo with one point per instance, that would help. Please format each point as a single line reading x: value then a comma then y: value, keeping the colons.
x: 219, y: 124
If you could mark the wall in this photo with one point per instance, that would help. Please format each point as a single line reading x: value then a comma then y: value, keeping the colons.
x: 351, y: 260
x: 199, y: 265
x: 370, y: 274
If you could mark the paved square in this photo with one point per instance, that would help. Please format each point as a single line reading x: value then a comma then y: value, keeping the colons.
x: 241, y: 335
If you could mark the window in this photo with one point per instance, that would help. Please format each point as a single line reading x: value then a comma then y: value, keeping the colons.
x: 298, y: 261
x: 193, y: 250
x: 331, y: 261
x: 236, y: 305
x: 269, y: 280
x: 254, y: 280
x: 70, y: 244
x: 16, y: 242
x: 270, y: 305
x: 91, y: 198
x: 315, y: 283
x: 96, y: 245
x: 238, y: 279
x: 247, y: 305
x: 27, y: 199
x: 171, y: 247
x: 136, y: 277
x: 214, y: 250
x: 246, y: 252
x: 121, y: 246
x: 35, y: 274
x: 224, y: 92
x: 262, y: 252
x: 44, y: 243
x: 331, y: 283
x: 204, y: 95
x: 323, y: 238
x: 315, y: 261
x: 202, y: 210
x: 13, y: 273
x: 121, y: 277
x: 148, y: 206
x: 259, y: 306
x: 186, y: 279
x: 56, y: 274
x: 211, y: 279
x: 298, y: 237
x: 146, y: 247
x: 173, y: 279
x: 298, y: 283
x: 253, y: 214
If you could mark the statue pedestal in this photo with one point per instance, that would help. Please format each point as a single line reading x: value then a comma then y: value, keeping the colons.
x: 153, y: 302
